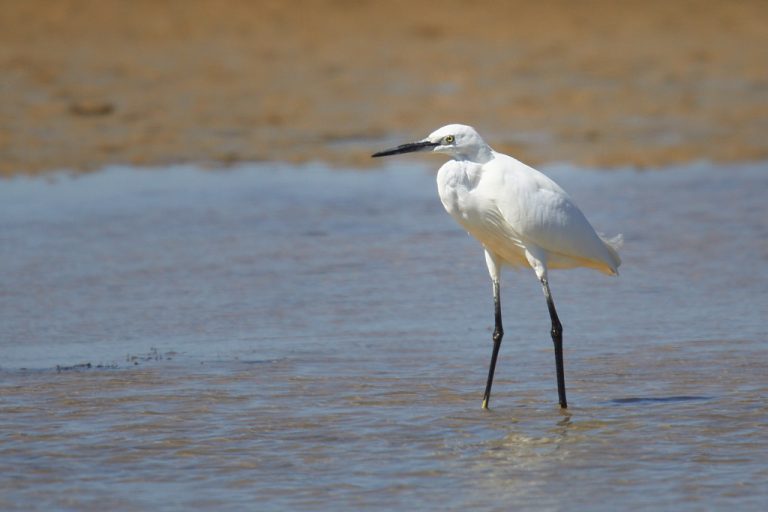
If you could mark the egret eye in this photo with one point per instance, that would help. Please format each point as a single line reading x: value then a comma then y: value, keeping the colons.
x: 449, y: 139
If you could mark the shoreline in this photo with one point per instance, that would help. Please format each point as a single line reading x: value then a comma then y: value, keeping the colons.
x: 644, y: 84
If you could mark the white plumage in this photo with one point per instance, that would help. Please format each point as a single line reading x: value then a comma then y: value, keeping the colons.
x: 515, y: 211
x: 519, y: 215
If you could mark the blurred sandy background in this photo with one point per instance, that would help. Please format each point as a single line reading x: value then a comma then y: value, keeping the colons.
x: 647, y: 83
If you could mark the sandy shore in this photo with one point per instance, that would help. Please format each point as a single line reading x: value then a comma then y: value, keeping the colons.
x: 598, y: 83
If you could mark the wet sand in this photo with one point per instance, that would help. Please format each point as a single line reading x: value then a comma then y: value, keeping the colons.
x: 598, y: 83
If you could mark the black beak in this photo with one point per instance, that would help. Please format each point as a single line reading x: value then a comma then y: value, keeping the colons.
x: 407, y: 148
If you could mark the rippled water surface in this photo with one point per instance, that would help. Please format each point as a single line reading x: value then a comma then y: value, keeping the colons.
x: 276, y: 338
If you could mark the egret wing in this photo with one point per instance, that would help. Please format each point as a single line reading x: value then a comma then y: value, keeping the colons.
x: 542, y: 214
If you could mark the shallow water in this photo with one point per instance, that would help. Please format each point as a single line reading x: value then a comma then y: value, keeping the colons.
x: 281, y: 338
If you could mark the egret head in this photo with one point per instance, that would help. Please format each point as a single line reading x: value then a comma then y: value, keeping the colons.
x: 459, y: 141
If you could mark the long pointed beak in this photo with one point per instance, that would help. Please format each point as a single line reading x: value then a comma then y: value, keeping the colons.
x: 407, y: 148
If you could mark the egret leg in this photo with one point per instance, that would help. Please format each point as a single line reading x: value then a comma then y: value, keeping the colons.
x: 498, y: 334
x: 557, y: 339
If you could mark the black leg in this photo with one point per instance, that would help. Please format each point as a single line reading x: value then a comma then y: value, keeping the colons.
x: 557, y: 339
x: 498, y: 334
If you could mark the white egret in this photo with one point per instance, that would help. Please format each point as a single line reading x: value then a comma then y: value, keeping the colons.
x: 520, y: 216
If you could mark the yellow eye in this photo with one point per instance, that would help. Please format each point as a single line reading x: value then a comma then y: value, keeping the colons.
x: 449, y: 139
